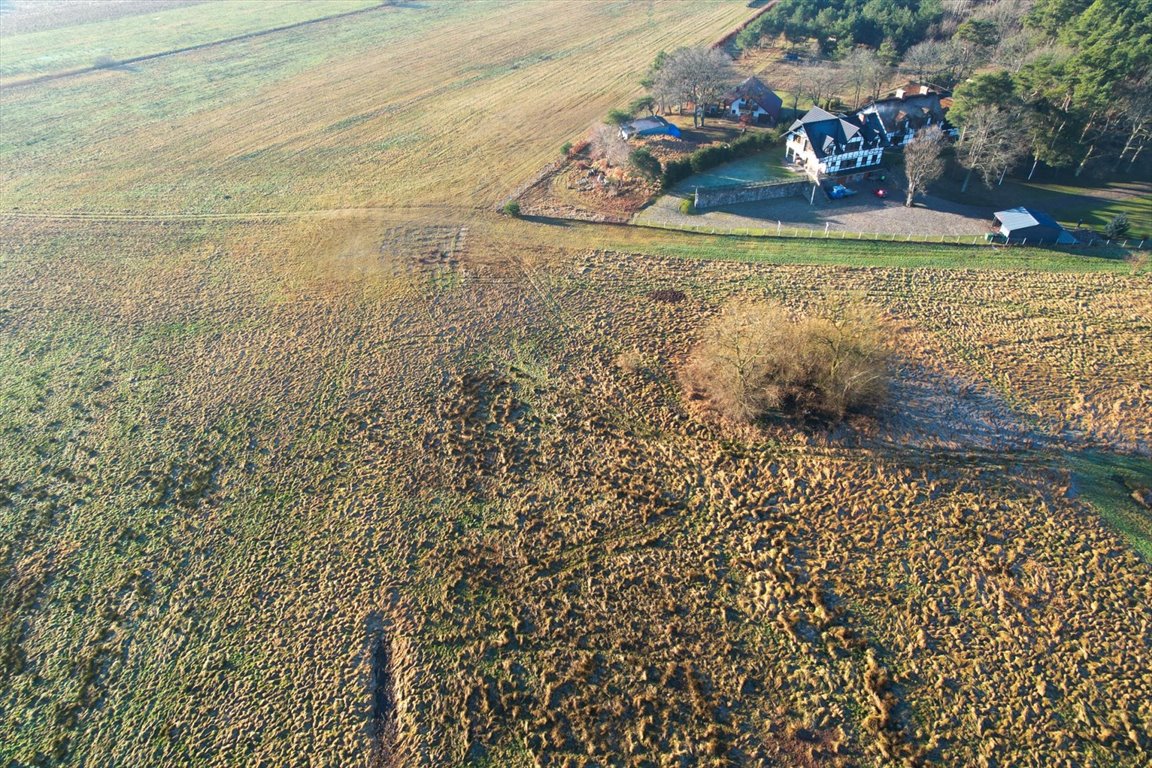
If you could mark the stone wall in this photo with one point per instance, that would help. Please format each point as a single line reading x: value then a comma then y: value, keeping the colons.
x: 715, y: 197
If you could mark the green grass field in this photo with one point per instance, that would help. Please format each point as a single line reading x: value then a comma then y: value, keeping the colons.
x: 768, y: 249
x: 74, y: 47
x: 1108, y: 481
x: 1092, y: 205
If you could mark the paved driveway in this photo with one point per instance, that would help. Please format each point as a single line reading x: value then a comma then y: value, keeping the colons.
x: 863, y: 213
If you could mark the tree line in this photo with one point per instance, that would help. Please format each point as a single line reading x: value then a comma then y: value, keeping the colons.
x: 1061, y: 84
x: 893, y: 25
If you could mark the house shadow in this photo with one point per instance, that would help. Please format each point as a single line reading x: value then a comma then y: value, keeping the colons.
x: 551, y: 221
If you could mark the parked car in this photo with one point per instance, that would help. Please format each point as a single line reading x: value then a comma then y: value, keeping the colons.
x: 840, y: 191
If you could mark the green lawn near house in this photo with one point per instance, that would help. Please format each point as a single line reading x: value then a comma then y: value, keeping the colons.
x: 1092, y: 204
x: 764, y: 166
x: 1107, y: 480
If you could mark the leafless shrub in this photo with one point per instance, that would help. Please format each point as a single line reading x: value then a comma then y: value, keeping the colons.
x: 755, y: 358
x: 631, y: 362
x: 1138, y: 261
x: 606, y: 143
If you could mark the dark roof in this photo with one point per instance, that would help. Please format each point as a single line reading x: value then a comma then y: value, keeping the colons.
x: 814, y: 115
x: 648, y: 123
x: 649, y: 126
x: 754, y: 90
x: 829, y: 134
x: 897, y: 115
x: 871, y: 127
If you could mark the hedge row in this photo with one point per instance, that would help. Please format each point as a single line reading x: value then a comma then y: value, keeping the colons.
x: 701, y: 160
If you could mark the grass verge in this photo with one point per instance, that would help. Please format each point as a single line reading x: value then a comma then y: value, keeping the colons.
x: 808, y: 251
x: 1106, y: 480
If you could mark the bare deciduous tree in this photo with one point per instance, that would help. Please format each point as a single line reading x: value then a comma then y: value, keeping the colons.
x: 696, y: 75
x: 992, y: 143
x: 923, y: 163
x: 1012, y: 51
x: 1137, y: 110
x: 855, y: 70
x: 879, y: 74
x: 754, y: 357
x: 606, y: 143
x: 819, y: 82
x: 864, y: 71
x: 926, y: 60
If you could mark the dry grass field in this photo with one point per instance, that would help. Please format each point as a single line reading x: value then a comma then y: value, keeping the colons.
x: 449, y: 103
x: 308, y: 458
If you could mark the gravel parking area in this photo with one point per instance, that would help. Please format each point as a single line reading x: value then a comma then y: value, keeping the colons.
x: 862, y: 213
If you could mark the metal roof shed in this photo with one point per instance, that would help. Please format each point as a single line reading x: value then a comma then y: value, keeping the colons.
x: 1020, y: 224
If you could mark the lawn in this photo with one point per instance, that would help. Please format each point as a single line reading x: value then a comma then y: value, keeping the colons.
x: 1092, y: 204
x: 1107, y: 481
x: 764, y: 166
x: 832, y: 252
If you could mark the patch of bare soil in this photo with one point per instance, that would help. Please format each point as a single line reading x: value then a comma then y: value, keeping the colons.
x: 579, y: 191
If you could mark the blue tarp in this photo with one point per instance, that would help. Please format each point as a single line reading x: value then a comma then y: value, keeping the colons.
x: 649, y: 126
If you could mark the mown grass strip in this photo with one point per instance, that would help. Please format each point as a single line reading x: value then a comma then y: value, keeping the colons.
x: 805, y: 251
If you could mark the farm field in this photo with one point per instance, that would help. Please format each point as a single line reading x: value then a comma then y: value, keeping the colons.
x: 92, y: 41
x: 365, y: 111
x: 236, y: 490
x: 308, y: 457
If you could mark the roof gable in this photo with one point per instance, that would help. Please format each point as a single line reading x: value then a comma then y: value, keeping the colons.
x: 829, y: 134
x: 753, y: 89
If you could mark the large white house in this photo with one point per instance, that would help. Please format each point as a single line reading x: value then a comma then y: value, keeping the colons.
x: 829, y: 145
x: 903, y: 116
x: 826, y: 145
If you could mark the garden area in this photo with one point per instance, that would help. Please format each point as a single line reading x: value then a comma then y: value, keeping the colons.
x: 768, y: 165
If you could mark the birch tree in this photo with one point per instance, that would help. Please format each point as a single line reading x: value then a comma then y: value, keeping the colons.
x: 992, y: 143
x: 923, y: 163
